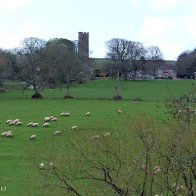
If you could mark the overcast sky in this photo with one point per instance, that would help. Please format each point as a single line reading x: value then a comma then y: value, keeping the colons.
x: 168, y: 24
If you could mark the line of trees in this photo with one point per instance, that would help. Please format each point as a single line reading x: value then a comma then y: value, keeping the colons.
x: 131, y: 57
x: 39, y: 63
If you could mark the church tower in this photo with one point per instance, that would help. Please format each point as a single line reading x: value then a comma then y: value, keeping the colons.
x: 83, y: 46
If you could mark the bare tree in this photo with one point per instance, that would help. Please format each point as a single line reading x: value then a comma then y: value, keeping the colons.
x: 118, y: 51
x: 127, y: 56
x: 31, y: 61
x: 154, y: 58
x: 137, y: 57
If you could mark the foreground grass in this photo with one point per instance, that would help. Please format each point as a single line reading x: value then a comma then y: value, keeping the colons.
x: 18, y: 172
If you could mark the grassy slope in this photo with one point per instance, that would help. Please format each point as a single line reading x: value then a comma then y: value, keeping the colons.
x: 147, y: 90
x: 16, y: 168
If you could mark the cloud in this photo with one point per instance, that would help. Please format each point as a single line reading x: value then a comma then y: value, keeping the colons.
x: 13, y: 4
x: 168, y: 33
x: 10, y: 40
x: 164, y: 5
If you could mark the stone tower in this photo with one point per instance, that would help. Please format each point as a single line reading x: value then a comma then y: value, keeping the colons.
x: 83, y: 46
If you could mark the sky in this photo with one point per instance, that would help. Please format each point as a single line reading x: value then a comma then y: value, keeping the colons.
x: 168, y: 24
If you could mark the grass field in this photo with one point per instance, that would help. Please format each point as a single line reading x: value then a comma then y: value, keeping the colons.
x: 17, y: 172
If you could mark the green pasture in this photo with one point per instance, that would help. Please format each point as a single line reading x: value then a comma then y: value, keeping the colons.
x: 146, y: 90
x: 17, y: 172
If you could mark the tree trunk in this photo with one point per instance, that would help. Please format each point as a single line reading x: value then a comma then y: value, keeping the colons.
x: 67, y: 96
x: 117, y: 89
x: 37, y: 94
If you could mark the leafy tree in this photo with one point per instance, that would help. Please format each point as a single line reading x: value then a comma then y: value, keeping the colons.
x: 63, y: 59
x: 7, y: 65
x: 31, y: 62
x: 186, y: 64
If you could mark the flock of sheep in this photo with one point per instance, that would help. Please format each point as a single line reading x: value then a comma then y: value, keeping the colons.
x: 47, y: 120
x: 46, y: 123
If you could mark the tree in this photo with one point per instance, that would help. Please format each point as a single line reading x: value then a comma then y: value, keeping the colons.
x: 154, y: 58
x: 127, y: 56
x: 31, y: 62
x: 63, y: 59
x: 118, y: 51
x: 8, y: 65
x: 2, y: 66
x: 186, y: 64
x: 137, y: 57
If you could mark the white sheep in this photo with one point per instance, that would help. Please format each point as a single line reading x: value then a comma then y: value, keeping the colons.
x: 9, y: 134
x: 119, y: 111
x: 16, y: 120
x: 53, y: 119
x: 88, y: 114
x: 19, y: 123
x: 52, y: 165
x: 41, y: 166
x: 46, y: 125
x: 143, y: 167
x: 33, y: 137
x: 8, y: 121
x: 107, y: 134
x: 57, y: 132
x: 11, y: 123
x: 74, y: 127
x: 35, y: 125
x: 95, y: 137
x: 4, y: 134
x: 47, y: 119
x: 157, y: 169
x: 29, y: 124
x: 65, y: 114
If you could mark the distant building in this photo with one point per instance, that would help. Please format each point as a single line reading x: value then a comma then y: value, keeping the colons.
x: 83, y: 46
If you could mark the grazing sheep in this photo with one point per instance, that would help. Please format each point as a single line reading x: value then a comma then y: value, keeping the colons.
x: 119, y: 111
x: 74, y: 128
x: 46, y: 125
x: 4, y: 134
x: 157, y: 169
x: 8, y: 121
x: 41, y: 166
x: 107, y: 134
x: 9, y: 134
x: 29, y: 124
x: 52, y: 165
x: 53, y: 119
x: 47, y: 119
x: 11, y: 123
x: 143, y: 167
x: 65, y: 114
x: 57, y: 132
x: 16, y: 120
x: 95, y: 137
x: 19, y: 123
x: 88, y: 114
x: 35, y: 125
x: 33, y: 137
